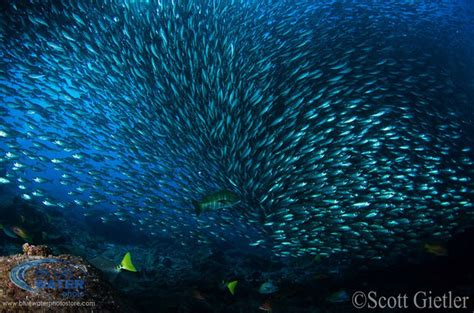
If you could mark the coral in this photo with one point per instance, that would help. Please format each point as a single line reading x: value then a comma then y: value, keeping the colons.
x: 31, y: 250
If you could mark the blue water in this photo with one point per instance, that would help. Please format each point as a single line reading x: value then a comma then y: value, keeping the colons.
x: 48, y: 136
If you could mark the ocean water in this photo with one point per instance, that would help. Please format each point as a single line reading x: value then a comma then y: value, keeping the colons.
x: 307, y: 150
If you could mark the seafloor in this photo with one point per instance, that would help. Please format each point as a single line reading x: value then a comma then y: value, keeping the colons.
x: 170, y: 280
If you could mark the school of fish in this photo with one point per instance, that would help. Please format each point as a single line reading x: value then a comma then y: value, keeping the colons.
x: 332, y: 122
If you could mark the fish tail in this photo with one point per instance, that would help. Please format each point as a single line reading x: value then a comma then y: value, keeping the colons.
x: 231, y: 286
x: 197, y: 207
x: 126, y: 263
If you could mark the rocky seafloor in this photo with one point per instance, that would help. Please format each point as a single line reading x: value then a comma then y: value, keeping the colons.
x: 173, y: 280
x: 199, y: 291
x: 96, y: 294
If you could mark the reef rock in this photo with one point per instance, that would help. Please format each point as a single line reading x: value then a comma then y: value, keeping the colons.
x: 38, y: 281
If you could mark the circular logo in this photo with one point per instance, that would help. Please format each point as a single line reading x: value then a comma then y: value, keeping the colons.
x: 359, y: 299
x: 64, y: 271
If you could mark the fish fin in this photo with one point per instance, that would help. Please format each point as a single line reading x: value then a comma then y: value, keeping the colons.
x: 197, y: 207
x: 127, y: 264
x: 231, y: 286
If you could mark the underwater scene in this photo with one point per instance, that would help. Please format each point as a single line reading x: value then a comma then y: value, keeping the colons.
x: 236, y: 156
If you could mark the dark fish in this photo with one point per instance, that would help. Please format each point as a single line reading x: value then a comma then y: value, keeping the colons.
x: 218, y: 200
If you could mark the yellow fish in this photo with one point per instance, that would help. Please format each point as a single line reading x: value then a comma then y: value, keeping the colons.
x: 16, y: 231
x: 230, y: 285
